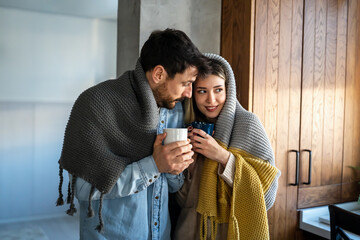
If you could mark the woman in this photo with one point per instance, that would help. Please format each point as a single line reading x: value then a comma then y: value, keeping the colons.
x: 233, y: 181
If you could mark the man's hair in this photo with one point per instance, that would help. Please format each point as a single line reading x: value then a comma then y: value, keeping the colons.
x: 173, y: 50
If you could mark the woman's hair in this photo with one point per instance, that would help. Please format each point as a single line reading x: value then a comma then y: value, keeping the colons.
x: 192, y: 113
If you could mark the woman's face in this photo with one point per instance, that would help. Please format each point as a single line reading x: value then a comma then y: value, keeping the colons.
x: 210, y: 95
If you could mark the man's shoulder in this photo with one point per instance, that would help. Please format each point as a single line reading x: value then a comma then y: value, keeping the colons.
x: 178, y: 106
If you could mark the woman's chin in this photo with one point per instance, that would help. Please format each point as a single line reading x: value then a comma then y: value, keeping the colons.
x: 212, y: 116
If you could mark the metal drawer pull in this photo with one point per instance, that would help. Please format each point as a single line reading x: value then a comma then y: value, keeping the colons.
x: 297, y: 168
x: 310, y: 160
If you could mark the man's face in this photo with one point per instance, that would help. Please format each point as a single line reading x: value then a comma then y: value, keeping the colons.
x: 171, y: 91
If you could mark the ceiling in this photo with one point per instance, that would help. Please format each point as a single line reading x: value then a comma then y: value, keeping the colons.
x: 106, y: 9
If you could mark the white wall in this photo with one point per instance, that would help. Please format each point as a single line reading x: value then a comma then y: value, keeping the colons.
x: 48, y: 57
x: 46, y: 61
x: 199, y: 19
x: 30, y: 144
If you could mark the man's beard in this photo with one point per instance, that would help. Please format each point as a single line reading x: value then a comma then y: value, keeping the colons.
x: 163, y: 99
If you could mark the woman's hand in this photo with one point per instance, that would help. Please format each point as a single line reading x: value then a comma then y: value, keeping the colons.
x: 206, y: 145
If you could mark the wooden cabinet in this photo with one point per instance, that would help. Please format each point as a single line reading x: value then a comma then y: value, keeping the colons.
x: 297, y: 65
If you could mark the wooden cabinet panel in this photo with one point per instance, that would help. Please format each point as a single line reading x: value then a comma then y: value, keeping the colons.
x: 307, y: 85
x: 278, y: 101
x: 236, y: 41
x: 340, y: 87
x: 319, y: 95
x: 304, y: 84
x: 352, y: 96
x: 285, y: 198
x: 260, y: 58
x: 318, y: 196
x: 295, y: 103
x: 328, y: 160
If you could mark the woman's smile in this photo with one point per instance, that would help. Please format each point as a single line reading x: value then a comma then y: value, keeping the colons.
x: 211, y: 108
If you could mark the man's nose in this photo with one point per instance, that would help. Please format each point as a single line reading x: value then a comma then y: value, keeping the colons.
x: 188, y: 91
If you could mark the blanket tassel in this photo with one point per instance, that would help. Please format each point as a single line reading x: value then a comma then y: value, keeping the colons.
x: 100, y: 227
x: 90, y: 209
x: 72, y: 208
x: 60, y: 200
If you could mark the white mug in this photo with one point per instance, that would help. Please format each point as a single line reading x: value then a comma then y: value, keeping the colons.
x: 175, y: 134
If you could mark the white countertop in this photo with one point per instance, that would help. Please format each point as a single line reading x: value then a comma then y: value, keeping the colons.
x: 317, y: 220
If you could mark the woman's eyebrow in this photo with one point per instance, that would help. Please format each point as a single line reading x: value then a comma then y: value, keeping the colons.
x: 218, y: 86
x: 201, y: 87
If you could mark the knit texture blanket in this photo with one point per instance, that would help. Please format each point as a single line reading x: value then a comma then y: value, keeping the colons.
x: 242, y: 206
x: 111, y: 125
x: 255, y: 183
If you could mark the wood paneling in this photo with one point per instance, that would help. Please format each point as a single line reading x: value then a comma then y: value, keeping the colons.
x: 352, y: 99
x: 260, y: 56
x: 271, y: 75
x: 277, y: 88
x: 332, y: 88
x: 349, y: 91
x: 235, y: 44
x: 306, y: 79
x: 284, y: 197
x: 317, y: 196
x: 272, y: 70
x: 340, y: 90
x: 328, y: 161
x: 350, y: 191
x: 295, y: 104
x: 318, y: 90
x: 307, y: 86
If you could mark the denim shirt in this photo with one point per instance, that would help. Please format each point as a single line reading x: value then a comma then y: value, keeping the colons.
x: 137, y: 205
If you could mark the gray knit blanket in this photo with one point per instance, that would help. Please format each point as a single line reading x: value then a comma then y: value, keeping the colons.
x: 239, y: 128
x: 111, y: 125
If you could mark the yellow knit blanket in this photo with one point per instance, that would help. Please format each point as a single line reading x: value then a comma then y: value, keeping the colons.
x: 242, y: 206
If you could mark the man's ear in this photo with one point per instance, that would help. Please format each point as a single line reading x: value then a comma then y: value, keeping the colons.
x: 158, y: 74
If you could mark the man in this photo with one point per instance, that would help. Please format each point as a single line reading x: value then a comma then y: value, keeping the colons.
x: 116, y: 162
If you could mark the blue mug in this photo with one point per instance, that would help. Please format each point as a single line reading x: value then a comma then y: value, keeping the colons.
x: 206, y: 127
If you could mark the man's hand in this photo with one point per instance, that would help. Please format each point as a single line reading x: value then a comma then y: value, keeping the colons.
x: 173, y: 157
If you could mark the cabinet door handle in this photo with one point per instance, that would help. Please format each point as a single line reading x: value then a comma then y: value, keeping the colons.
x: 297, y: 168
x: 310, y: 160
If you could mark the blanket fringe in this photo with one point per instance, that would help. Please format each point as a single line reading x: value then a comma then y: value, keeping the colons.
x: 204, y: 220
x: 68, y: 199
x: 214, y: 225
x: 203, y: 228
x: 90, y: 209
x: 100, y: 227
x: 72, y: 208
x: 60, y: 200
x: 235, y: 227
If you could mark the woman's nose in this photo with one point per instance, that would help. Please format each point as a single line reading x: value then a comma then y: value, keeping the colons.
x: 210, y: 97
